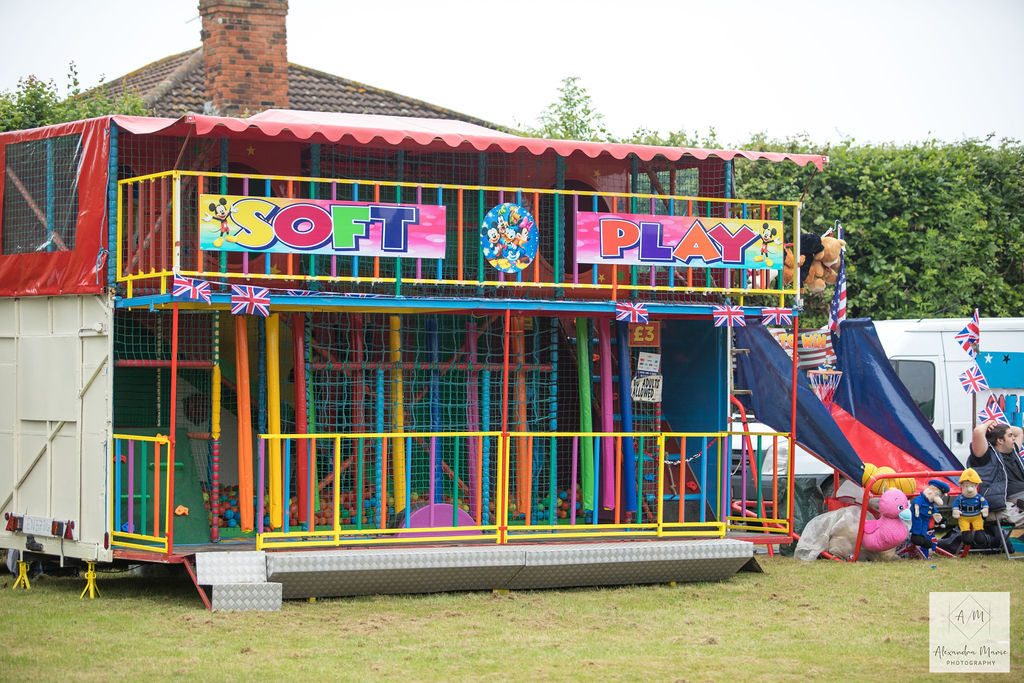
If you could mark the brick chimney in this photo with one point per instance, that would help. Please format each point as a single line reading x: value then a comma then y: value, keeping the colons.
x: 245, y: 53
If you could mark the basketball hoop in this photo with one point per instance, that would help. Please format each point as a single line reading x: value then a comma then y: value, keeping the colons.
x: 824, y: 382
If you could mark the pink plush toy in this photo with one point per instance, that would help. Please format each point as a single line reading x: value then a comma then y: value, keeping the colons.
x: 889, y: 531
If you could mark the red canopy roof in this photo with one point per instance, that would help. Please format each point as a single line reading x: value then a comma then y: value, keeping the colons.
x: 427, y: 133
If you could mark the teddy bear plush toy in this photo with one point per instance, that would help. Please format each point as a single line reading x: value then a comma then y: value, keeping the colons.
x: 810, y: 246
x: 819, y: 262
x: 831, y: 251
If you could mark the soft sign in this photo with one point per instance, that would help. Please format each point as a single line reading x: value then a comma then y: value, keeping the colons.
x: 312, y: 226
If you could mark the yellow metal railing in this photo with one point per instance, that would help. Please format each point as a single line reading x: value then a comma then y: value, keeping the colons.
x: 157, y: 235
x: 141, y: 498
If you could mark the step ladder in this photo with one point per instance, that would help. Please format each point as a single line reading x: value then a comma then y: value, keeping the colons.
x: 238, y: 581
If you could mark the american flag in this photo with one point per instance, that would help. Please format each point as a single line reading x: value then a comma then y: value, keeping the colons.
x: 193, y: 289
x: 837, y: 313
x: 248, y: 299
x: 729, y: 316
x: 973, y: 381
x: 634, y: 313
x: 992, y: 411
x: 777, y: 316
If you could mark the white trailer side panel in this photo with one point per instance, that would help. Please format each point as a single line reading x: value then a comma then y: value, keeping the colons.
x: 55, y: 403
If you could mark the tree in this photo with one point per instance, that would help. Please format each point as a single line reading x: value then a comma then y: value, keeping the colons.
x: 36, y: 102
x: 934, y: 228
x: 571, y: 117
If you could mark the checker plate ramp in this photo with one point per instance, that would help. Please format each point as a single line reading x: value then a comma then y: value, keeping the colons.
x: 371, y: 571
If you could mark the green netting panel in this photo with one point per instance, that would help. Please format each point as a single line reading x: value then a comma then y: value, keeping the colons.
x: 141, y: 398
x: 40, y: 211
x: 373, y: 373
x: 142, y: 378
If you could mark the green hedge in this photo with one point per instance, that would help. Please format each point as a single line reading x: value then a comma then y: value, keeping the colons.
x: 933, y: 229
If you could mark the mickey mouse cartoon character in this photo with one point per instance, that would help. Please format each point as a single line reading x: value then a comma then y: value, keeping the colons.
x: 220, y: 213
x: 769, y: 235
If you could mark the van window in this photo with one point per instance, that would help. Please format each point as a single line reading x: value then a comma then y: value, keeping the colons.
x: 918, y: 376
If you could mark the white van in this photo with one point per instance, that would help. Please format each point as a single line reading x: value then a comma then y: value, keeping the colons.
x: 929, y: 361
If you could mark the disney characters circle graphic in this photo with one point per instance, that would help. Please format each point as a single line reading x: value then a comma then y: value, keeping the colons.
x: 508, y: 238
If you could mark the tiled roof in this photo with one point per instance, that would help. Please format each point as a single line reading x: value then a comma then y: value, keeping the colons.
x: 176, y: 85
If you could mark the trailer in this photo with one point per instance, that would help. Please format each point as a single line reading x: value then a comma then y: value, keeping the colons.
x: 321, y: 331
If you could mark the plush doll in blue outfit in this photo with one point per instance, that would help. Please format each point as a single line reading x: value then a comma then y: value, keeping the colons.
x: 970, y: 508
x: 925, y: 510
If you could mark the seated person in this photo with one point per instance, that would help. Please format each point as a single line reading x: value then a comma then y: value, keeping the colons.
x: 996, y: 457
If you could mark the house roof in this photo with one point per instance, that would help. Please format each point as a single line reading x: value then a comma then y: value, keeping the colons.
x: 176, y: 85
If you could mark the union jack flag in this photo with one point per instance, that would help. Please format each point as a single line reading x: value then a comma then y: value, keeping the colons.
x: 970, y: 337
x: 728, y: 316
x: 249, y: 299
x: 992, y: 411
x: 777, y: 316
x: 193, y: 289
x: 973, y: 381
x: 837, y: 312
x: 634, y: 313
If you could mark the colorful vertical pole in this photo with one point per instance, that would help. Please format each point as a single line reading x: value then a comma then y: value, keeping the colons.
x: 626, y: 410
x: 398, y: 407
x: 261, y: 409
x: 485, y: 447
x: 524, y: 473
x: 244, y: 405
x: 378, y: 466
x: 215, y: 433
x: 175, y: 331
x: 473, y: 421
x: 604, y: 340
x: 436, y: 483
x: 301, y: 415
x: 504, y: 486
x: 586, y: 420
x: 276, y: 488
x: 553, y: 422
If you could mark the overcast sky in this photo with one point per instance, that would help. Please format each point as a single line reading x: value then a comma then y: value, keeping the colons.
x: 872, y: 70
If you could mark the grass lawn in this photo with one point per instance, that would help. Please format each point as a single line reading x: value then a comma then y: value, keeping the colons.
x: 795, y: 621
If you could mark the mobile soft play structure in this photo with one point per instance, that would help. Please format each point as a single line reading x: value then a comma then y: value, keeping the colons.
x: 324, y: 339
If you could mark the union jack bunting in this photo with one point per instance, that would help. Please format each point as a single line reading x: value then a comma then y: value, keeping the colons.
x: 992, y: 411
x: 975, y: 326
x: 777, y: 316
x: 973, y: 381
x: 249, y: 299
x: 729, y: 316
x: 193, y: 289
x: 966, y: 339
x: 634, y: 313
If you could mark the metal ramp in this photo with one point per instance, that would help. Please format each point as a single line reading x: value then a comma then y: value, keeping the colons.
x: 247, y: 580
